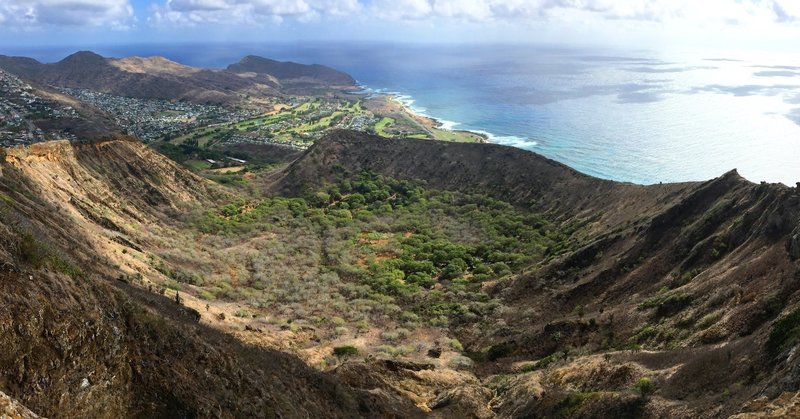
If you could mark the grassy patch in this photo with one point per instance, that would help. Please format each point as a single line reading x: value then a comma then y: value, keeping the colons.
x: 544, y: 362
x: 197, y: 165
x: 380, y: 126
x: 666, y: 303
x: 570, y: 404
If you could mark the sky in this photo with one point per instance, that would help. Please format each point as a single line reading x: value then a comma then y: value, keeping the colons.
x: 754, y: 24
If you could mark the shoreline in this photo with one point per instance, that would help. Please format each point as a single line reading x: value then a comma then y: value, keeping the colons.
x: 431, y: 122
x: 404, y: 104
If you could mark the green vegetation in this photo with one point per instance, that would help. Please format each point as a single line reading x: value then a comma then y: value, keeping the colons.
x: 570, y: 404
x: 296, y: 126
x: 644, y: 386
x: 666, y: 303
x: 500, y: 350
x: 197, y: 165
x: 455, y: 136
x: 363, y: 252
x: 346, y: 350
x: 319, y: 124
x: 380, y: 127
x: 34, y: 252
x: 192, y: 155
x: 406, y: 238
x: 545, y: 362
x: 785, y: 333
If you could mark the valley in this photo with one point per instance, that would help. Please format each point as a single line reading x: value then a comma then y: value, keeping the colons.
x: 316, y: 252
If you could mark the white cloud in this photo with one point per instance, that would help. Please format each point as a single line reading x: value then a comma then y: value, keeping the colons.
x: 250, y: 12
x: 498, y: 14
x: 401, y: 9
x: 725, y: 11
x: 32, y: 13
x: 467, y: 9
x: 786, y: 10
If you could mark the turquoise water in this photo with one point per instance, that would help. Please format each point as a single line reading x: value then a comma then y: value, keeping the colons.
x: 636, y: 116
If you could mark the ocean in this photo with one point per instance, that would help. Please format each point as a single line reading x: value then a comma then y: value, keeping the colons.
x: 634, y: 116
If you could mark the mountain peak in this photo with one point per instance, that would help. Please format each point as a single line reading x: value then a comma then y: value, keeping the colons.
x: 287, y: 70
x: 83, y: 57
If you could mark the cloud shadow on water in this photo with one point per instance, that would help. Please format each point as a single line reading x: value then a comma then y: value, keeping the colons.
x: 643, y: 92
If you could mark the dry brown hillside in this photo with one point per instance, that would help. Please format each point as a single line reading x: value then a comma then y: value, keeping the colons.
x: 82, y: 333
x: 159, y: 78
x: 674, y: 300
x: 693, y: 286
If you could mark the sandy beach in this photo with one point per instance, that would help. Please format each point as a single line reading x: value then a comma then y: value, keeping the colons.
x: 435, y: 129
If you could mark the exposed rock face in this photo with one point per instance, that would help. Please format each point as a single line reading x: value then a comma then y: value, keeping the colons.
x: 787, y: 405
x: 11, y: 409
x: 793, y: 244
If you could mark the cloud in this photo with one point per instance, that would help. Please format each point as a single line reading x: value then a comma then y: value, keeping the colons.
x: 748, y: 89
x: 401, y: 9
x: 723, y: 11
x: 776, y: 73
x: 575, y: 13
x: 27, y: 14
x: 249, y: 12
x: 727, y: 12
x: 786, y: 10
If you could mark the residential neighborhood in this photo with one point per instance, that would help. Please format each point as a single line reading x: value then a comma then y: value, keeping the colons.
x: 21, y: 107
x: 153, y: 119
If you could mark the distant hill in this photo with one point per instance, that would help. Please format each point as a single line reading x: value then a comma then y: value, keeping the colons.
x: 160, y: 78
x: 289, y: 72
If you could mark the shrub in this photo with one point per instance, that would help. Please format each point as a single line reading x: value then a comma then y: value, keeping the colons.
x: 460, y: 363
x: 206, y: 295
x: 362, y: 325
x: 499, y: 350
x: 544, y: 362
x: 644, y: 386
x: 345, y: 350
x: 456, y: 345
x: 570, y: 404
x: 395, y: 351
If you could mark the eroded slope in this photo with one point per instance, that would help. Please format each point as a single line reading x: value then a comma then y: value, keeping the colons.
x: 700, y: 277
x: 81, y: 331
